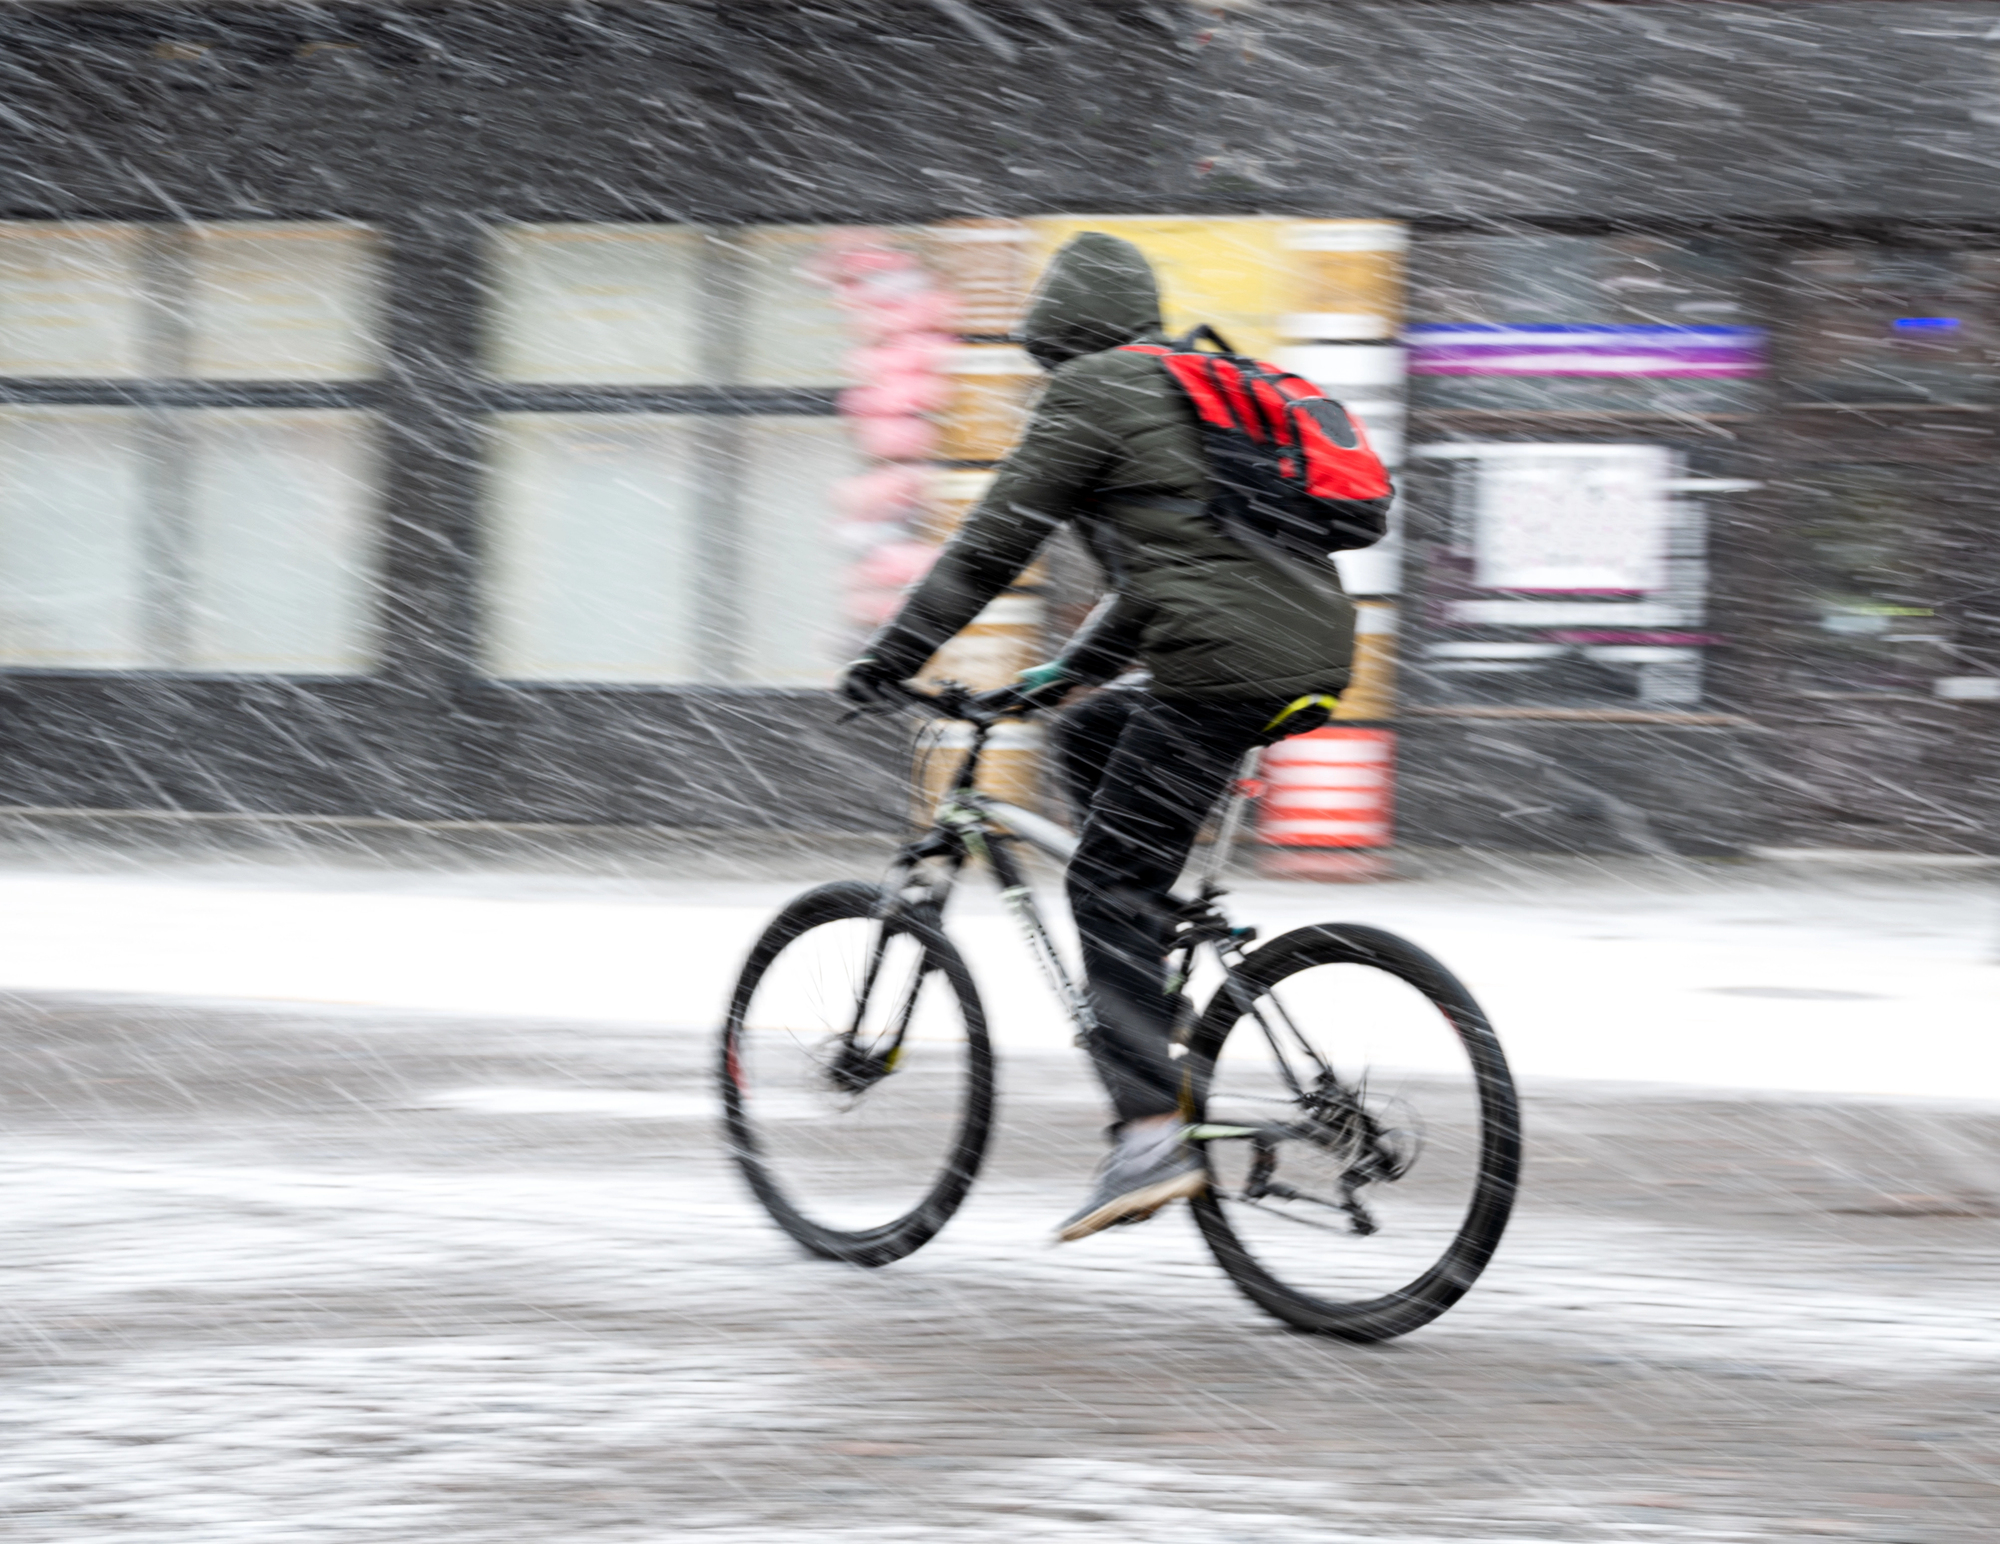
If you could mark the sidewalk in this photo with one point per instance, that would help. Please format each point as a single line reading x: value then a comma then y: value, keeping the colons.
x: 1813, y: 976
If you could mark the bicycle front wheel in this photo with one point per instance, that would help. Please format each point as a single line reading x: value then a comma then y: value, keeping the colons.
x: 1361, y: 1129
x: 857, y: 1080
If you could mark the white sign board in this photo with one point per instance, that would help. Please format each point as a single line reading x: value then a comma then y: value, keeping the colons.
x: 1558, y: 519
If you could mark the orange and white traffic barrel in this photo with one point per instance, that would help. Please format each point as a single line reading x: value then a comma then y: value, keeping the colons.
x: 1328, y: 804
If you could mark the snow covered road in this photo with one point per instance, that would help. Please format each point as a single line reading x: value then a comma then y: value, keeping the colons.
x: 347, y: 1208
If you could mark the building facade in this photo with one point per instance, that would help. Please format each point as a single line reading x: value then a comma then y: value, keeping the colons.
x: 431, y: 411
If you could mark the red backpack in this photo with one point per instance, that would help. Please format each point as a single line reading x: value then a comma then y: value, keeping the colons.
x: 1294, y: 475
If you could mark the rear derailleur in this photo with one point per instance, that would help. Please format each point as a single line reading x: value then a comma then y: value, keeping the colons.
x: 1337, y: 1123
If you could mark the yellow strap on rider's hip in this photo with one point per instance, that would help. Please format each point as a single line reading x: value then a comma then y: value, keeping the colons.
x: 1316, y: 700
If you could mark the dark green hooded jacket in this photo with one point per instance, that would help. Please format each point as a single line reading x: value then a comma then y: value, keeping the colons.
x: 1113, y: 445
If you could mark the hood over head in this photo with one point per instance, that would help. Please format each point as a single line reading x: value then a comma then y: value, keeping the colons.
x: 1098, y: 292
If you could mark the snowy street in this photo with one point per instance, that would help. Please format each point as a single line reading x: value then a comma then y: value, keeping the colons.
x: 351, y: 1202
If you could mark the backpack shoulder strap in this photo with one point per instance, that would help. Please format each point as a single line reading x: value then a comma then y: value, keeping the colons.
x: 1187, y: 342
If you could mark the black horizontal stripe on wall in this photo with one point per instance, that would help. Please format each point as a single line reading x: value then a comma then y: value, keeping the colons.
x: 25, y: 392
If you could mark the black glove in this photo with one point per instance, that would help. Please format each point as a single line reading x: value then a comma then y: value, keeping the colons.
x: 876, y: 679
x: 870, y: 684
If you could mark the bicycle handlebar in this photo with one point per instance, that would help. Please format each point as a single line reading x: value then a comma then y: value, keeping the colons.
x: 958, y: 703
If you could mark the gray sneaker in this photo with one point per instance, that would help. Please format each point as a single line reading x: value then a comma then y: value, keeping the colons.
x: 1148, y: 1167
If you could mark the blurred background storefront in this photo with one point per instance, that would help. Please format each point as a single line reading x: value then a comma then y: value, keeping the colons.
x: 1707, y: 530
x: 473, y: 414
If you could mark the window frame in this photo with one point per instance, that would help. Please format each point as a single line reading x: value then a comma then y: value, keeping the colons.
x: 166, y: 282
x: 717, y: 472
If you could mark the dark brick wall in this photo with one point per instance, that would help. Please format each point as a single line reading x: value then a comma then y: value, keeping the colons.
x: 1811, y: 112
x: 1816, y: 111
x: 1581, y: 788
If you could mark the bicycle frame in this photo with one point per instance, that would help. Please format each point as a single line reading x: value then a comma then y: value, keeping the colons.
x: 972, y: 823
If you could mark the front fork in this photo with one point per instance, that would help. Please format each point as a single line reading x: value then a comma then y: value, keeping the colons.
x: 853, y: 1068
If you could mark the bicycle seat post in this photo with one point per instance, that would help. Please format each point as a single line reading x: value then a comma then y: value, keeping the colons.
x: 1242, y: 789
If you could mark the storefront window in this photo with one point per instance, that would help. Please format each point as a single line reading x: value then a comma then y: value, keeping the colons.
x: 792, y: 335
x: 667, y: 516
x: 789, y: 566
x: 73, y: 526
x: 1872, y: 580
x: 1560, y: 575
x: 609, y: 304
x: 146, y: 522
x: 1563, y: 569
x: 72, y: 300
x: 280, y: 514
x: 594, y: 563
x: 279, y: 303
x: 1527, y: 324
x: 1893, y: 326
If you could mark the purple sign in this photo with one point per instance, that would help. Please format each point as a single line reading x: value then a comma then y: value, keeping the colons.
x: 1601, y: 635
x: 1484, y: 348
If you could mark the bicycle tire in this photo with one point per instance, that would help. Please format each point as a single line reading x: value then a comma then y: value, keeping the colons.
x: 1498, y: 1146
x: 963, y: 1148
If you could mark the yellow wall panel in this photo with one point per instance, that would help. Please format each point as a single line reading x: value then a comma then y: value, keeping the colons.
x: 1259, y: 279
x: 1233, y: 274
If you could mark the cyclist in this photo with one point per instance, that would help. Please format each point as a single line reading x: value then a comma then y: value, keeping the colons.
x: 1230, y: 641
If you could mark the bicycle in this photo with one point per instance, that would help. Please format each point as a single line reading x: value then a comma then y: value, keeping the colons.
x: 1352, y: 1102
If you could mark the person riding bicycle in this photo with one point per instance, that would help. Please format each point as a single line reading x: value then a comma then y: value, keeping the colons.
x: 1230, y: 640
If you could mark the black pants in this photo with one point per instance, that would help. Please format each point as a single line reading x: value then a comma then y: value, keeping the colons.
x: 1142, y: 775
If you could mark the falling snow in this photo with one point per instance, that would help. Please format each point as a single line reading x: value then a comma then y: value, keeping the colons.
x: 446, y: 453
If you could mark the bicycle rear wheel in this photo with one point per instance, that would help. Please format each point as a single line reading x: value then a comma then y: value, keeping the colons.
x: 1361, y: 1129
x: 857, y: 1080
